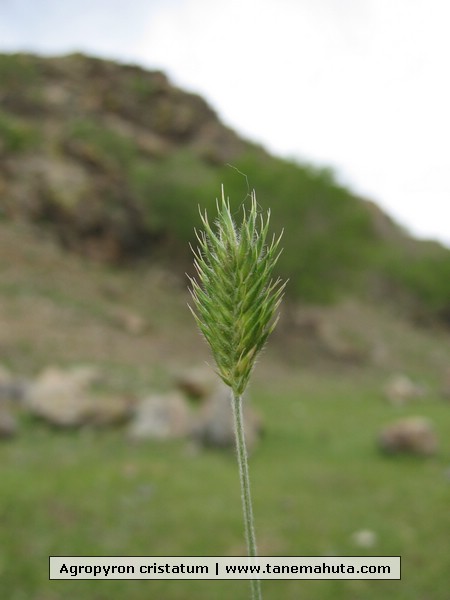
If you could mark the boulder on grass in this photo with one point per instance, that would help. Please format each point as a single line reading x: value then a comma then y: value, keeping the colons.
x: 64, y: 398
x: 413, y: 435
x: 160, y: 417
x: 215, y: 425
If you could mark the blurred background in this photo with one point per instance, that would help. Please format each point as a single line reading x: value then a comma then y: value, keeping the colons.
x: 117, y: 121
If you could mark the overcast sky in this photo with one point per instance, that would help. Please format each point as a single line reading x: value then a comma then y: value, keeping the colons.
x: 358, y: 85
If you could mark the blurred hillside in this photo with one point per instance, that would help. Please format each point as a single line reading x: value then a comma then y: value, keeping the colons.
x: 114, y: 161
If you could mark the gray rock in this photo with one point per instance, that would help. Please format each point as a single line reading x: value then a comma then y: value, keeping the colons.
x: 161, y: 417
x: 413, y: 435
x: 215, y: 425
x: 65, y: 398
x: 59, y: 397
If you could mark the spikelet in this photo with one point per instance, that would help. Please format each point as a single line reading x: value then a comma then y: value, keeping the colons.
x: 235, y: 297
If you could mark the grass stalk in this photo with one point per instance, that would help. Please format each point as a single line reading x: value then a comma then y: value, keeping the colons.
x: 247, y: 506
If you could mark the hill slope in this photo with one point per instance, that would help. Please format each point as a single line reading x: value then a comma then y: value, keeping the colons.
x: 114, y: 160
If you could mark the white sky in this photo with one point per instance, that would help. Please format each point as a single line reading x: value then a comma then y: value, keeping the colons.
x: 362, y: 86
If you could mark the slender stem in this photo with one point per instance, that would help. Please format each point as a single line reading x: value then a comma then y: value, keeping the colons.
x: 241, y: 450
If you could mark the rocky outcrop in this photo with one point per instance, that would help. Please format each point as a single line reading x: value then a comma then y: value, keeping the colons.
x: 79, y: 137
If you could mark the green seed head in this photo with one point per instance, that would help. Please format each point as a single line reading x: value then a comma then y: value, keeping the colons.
x: 235, y: 297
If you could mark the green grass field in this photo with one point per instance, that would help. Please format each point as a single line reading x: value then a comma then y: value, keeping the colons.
x: 317, y: 478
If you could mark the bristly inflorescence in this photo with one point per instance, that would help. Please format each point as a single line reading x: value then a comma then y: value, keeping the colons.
x: 235, y: 296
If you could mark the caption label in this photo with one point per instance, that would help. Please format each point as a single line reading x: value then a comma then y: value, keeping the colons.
x: 224, y: 567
